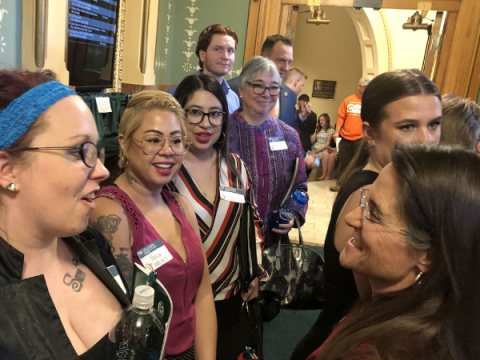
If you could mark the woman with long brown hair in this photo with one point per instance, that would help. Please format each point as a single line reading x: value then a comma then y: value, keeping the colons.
x: 415, y: 239
x: 322, y: 141
x: 207, y: 173
x: 402, y: 106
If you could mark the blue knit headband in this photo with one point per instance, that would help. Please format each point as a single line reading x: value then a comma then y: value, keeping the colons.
x: 22, y: 112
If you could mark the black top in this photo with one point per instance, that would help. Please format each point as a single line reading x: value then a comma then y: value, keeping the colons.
x: 30, y: 327
x: 340, y: 290
x: 305, y: 129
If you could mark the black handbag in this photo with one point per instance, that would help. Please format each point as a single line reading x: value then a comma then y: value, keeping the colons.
x: 296, y: 274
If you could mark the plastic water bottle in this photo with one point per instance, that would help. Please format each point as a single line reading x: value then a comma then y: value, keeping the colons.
x: 288, y: 210
x: 140, y: 333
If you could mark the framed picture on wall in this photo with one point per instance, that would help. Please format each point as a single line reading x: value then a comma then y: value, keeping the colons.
x: 324, y: 89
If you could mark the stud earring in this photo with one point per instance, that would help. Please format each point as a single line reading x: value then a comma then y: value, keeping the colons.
x: 11, y: 187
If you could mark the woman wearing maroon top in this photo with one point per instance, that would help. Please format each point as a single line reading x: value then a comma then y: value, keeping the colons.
x: 137, y: 211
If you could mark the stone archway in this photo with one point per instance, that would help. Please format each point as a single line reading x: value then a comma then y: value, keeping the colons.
x: 375, y: 40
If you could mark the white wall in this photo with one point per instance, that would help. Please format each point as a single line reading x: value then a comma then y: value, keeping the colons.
x: 408, y: 46
x: 328, y: 52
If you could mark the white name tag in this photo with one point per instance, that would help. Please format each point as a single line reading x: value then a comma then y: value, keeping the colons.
x: 277, y: 143
x: 154, y: 255
x: 232, y: 194
x: 113, y: 270
x: 103, y: 104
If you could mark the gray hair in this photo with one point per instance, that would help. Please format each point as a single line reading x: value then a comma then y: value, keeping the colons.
x: 258, y: 65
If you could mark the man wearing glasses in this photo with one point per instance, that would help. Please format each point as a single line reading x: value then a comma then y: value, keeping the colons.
x: 278, y: 48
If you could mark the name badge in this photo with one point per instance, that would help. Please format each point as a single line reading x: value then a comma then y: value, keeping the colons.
x: 232, y: 194
x: 154, y: 255
x: 113, y: 270
x: 277, y: 143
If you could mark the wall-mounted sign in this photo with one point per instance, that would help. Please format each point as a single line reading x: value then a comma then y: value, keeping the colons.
x: 324, y: 89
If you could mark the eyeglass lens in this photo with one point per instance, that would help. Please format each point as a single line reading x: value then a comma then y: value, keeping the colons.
x: 152, y: 144
x: 90, y: 154
x: 196, y: 116
x: 364, y: 202
x: 260, y: 89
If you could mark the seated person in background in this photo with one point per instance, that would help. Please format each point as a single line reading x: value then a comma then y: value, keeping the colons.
x: 305, y: 122
x: 137, y: 210
x: 461, y: 122
x: 207, y: 166
x: 329, y: 160
x: 57, y: 299
x: 401, y: 106
x: 268, y: 146
x: 415, y: 240
x: 216, y: 48
x: 321, y: 140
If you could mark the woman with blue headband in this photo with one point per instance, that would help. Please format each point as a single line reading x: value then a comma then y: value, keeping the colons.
x: 57, y: 299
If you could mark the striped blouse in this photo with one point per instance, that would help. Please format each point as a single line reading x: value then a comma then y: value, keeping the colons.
x: 219, y: 224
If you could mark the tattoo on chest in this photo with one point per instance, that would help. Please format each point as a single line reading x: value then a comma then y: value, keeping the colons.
x: 75, y: 282
x: 108, y: 225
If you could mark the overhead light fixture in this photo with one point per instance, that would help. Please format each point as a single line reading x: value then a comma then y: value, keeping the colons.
x: 415, y: 22
x: 318, y: 15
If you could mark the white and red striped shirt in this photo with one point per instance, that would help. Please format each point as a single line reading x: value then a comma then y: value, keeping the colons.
x: 219, y: 224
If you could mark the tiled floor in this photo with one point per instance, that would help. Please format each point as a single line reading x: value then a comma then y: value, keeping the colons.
x: 318, y: 214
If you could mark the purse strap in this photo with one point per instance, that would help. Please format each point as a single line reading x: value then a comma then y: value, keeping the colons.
x: 300, y: 237
x: 293, y: 180
x: 278, y: 251
x: 247, y: 252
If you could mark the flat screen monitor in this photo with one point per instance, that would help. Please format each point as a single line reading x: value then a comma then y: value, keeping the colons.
x: 92, y: 34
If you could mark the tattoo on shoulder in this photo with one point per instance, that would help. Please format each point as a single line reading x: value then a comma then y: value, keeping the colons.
x: 75, y: 262
x: 125, y: 266
x: 129, y: 177
x: 108, y: 225
x: 75, y: 282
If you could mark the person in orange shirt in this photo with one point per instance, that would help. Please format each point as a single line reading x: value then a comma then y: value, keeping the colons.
x: 349, y: 128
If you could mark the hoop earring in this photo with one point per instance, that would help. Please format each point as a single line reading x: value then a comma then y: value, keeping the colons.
x: 418, y: 278
x: 11, y: 187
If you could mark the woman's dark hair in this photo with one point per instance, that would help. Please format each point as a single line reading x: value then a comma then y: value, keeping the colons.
x: 461, y: 122
x: 380, y: 92
x: 184, y: 93
x: 327, y: 122
x: 438, y: 316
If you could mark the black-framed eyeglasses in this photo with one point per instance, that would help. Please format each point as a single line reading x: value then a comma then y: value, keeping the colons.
x: 88, y: 152
x: 215, y: 118
x: 152, y: 144
x: 259, y: 89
